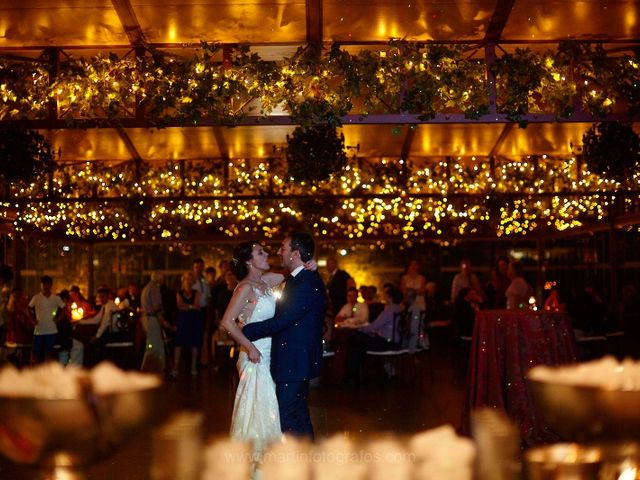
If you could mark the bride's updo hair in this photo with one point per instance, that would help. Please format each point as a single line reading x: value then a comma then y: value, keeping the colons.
x: 241, y: 255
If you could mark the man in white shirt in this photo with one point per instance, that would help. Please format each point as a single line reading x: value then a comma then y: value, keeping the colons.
x: 47, y: 308
x: 465, y: 279
x: 352, y: 314
x: 102, y: 319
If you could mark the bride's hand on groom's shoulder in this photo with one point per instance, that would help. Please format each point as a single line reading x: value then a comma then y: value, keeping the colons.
x: 311, y: 265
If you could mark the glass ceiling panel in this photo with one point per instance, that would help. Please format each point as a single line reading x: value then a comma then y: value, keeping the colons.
x: 102, y: 144
x: 227, y: 21
x: 563, y: 19
x: 543, y: 138
x: 379, y: 20
x: 455, y: 140
x: 47, y: 23
x: 375, y: 140
x: 255, y: 142
x: 175, y: 143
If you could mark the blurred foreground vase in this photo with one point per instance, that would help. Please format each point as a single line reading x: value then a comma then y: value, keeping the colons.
x: 562, y: 461
x: 64, y: 436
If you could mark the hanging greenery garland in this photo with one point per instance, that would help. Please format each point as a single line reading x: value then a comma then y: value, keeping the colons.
x: 25, y: 155
x: 612, y: 150
x: 315, y: 153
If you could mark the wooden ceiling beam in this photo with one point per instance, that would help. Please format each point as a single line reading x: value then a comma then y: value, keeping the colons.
x: 129, y: 21
x: 498, y: 20
x: 313, y: 9
x: 329, y: 197
x: 503, y: 136
x: 408, y: 142
x: 355, y: 119
x: 14, y: 49
x: 131, y: 148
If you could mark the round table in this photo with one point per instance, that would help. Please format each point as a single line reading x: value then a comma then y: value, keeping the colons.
x: 505, y: 345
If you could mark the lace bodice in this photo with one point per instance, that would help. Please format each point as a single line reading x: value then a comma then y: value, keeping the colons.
x: 265, y: 306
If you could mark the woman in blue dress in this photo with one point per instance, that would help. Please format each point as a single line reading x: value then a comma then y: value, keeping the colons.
x: 189, y: 331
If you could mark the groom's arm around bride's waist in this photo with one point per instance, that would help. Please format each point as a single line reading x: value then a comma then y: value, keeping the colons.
x: 306, y: 297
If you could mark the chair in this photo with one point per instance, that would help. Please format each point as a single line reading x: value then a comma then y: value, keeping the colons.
x: 119, y: 346
x: 19, y: 354
x: 393, y: 357
x: 416, y: 340
x: 616, y: 343
x: 591, y: 347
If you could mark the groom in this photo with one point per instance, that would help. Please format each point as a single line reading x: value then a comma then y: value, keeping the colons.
x: 296, y: 331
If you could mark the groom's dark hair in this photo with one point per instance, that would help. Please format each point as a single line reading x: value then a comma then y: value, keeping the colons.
x: 303, y: 243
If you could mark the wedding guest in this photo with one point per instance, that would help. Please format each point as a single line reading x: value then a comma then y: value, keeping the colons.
x: 102, y: 319
x: 121, y: 299
x: 47, y: 307
x: 6, y: 275
x: 353, y: 314
x: 588, y: 311
x: 75, y: 296
x: 20, y: 323
x: 201, y: 285
x: 413, y: 280
x: 133, y: 297
x: 465, y: 279
x: 519, y: 290
x: 370, y: 295
x: 224, y: 296
x: 497, y: 286
x: 189, y: 326
x: 65, y: 329
x: 153, y: 321
x: 379, y: 335
x: 337, y: 285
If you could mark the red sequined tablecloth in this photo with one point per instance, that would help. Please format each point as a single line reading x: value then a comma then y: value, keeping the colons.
x: 505, y: 345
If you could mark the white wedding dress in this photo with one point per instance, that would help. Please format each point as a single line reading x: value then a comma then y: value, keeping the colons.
x: 255, y: 411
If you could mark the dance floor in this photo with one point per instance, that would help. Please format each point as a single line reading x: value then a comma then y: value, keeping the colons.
x: 380, y: 405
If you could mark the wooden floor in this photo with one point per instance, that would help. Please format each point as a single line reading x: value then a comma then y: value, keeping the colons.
x: 432, y: 398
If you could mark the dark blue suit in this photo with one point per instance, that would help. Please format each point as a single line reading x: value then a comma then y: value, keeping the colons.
x: 296, y: 350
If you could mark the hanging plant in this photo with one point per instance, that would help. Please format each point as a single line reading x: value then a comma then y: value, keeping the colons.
x: 611, y: 150
x: 315, y: 153
x: 25, y: 155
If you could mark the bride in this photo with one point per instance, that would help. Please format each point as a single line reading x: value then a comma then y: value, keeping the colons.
x: 255, y: 412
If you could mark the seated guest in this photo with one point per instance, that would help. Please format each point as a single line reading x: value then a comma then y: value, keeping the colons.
x: 352, y: 314
x: 380, y: 335
x: 121, y: 300
x: 588, y: 312
x: 75, y: 296
x: 519, y: 290
x: 369, y: 294
x: 102, y: 319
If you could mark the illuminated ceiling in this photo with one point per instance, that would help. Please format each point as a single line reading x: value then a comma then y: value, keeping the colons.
x: 276, y: 28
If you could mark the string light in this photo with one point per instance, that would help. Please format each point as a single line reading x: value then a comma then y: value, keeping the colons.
x: 375, y: 199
